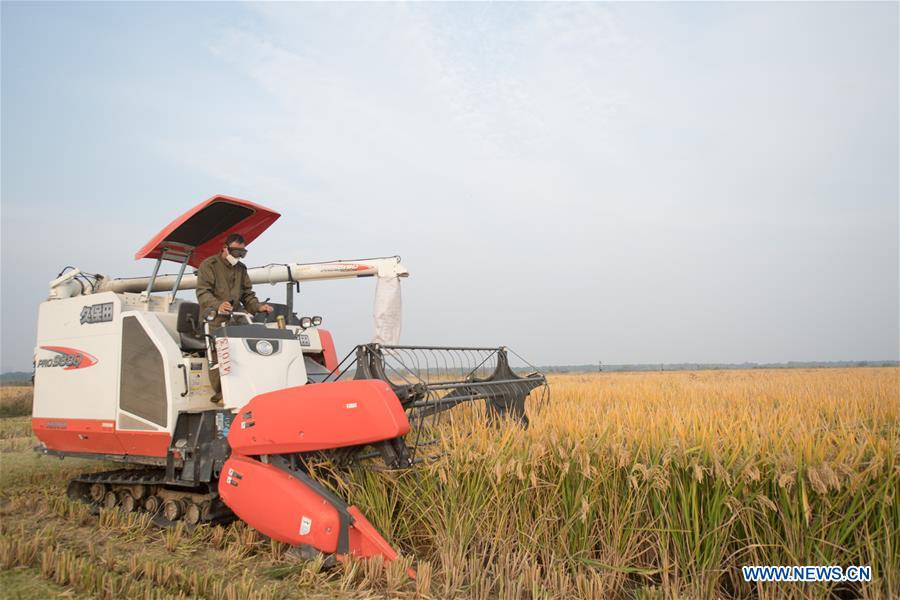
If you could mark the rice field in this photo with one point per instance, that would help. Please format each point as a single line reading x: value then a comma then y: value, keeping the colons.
x: 626, y: 485
x: 15, y: 400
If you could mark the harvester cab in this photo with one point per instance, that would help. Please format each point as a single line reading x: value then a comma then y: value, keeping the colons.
x: 122, y: 373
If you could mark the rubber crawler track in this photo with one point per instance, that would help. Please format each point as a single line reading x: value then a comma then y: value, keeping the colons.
x: 146, y: 490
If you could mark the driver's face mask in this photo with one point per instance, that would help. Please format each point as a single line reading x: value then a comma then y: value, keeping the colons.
x: 235, y: 254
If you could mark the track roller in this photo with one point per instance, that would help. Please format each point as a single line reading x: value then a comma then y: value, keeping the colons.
x: 173, y: 510
x: 127, y: 502
x: 152, y: 505
x: 192, y: 513
x: 98, y: 492
x: 139, y: 491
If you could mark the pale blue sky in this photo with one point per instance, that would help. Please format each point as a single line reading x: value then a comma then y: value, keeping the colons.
x: 617, y: 182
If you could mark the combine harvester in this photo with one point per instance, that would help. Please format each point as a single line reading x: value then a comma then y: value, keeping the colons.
x: 122, y: 374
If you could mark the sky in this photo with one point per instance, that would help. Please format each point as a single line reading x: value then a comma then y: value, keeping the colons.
x: 631, y: 183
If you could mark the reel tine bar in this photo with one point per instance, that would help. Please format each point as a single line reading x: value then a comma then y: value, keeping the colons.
x: 429, y: 380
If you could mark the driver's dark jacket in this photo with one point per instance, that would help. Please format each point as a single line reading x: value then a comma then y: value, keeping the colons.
x: 218, y: 282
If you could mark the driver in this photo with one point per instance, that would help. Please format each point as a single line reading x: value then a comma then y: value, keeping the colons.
x: 222, y: 283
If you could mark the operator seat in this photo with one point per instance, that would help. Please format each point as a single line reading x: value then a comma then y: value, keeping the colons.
x: 190, y: 328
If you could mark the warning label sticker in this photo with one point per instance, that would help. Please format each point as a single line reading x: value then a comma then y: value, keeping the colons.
x: 305, y: 525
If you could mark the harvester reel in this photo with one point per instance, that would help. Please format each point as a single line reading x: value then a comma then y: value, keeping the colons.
x: 431, y: 380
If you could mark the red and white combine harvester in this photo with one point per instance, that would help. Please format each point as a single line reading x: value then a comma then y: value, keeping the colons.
x: 122, y: 374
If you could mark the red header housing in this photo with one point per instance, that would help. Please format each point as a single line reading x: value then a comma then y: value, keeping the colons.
x: 203, y: 229
x: 318, y: 417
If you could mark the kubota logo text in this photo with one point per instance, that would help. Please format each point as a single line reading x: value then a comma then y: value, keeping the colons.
x: 67, y: 358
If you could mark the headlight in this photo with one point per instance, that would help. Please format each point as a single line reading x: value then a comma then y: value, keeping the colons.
x: 316, y: 321
x: 264, y: 347
x: 305, y: 322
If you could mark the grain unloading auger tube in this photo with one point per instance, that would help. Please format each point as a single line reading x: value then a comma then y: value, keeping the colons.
x: 123, y: 374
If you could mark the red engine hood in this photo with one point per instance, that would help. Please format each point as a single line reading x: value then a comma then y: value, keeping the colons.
x: 203, y: 229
